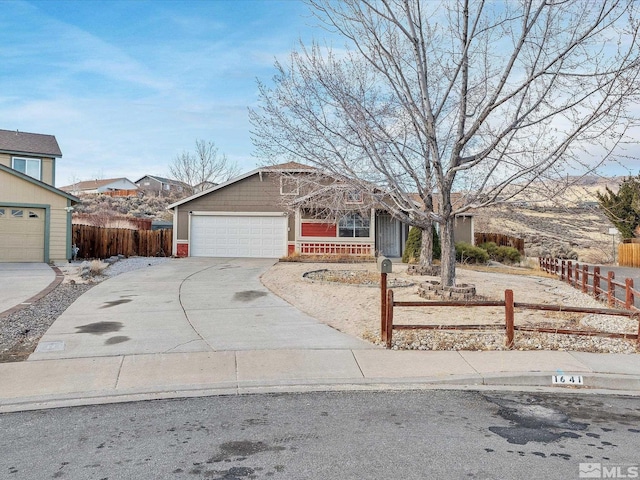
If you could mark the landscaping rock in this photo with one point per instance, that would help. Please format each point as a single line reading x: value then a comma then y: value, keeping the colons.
x: 434, y: 290
x: 424, y: 270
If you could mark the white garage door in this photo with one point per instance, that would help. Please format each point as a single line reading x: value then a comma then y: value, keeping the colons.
x: 238, y: 236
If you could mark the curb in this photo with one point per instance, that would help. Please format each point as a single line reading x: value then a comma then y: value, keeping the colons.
x: 538, y: 382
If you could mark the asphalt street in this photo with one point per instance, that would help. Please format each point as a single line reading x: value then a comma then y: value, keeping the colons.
x: 339, y: 435
x: 621, y: 274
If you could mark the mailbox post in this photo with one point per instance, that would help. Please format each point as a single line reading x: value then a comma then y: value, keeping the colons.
x: 384, y: 267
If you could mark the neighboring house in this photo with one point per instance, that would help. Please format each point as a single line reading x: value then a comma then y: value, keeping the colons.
x: 35, y: 217
x: 159, y: 185
x: 202, y: 186
x: 246, y: 217
x: 100, y: 186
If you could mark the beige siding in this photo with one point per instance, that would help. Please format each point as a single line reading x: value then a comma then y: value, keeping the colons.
x: 14, y: 190
x: 5, y: 159
x: 251, y: 194
x: 47, y: 171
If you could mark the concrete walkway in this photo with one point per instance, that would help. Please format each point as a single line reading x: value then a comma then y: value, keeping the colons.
x: 85, y: 381
x: 21, y: 282
x: 208, y: 327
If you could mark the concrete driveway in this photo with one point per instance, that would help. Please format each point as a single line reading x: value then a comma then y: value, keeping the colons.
x: 186, y: 305
x: 20, y: 282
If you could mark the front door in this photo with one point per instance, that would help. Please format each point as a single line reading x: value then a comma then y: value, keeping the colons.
x: 389, y: 235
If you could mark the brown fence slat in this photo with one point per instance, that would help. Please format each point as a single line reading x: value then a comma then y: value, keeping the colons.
x: 629, y: 255
x: 500, y: 240
x: 100, y: 242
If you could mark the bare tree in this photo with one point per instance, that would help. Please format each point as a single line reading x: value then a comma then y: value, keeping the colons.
x: 466, y: 102
x: 206, y: 164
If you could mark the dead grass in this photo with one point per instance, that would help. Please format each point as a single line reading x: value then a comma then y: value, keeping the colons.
x: 97, y: 267
x: 507, y: 269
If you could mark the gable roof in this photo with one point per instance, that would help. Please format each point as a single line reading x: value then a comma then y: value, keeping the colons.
x: 92, y: 184
x: 13, y: 141
x: 32, y: 180
x: 289, y: 167
x: 162, y: 180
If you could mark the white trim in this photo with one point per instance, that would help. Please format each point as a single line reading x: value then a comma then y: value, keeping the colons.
x: 354, y: 192
x: 241, y: 214
x: 174, y: 234
x: 295, y: 191
x: 28, y: 159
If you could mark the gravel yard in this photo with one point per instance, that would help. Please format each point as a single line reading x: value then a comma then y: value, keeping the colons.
x: 21, y: 330
x: 355, y: 310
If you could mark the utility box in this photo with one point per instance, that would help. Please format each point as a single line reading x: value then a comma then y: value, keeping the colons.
x: 384, y: 265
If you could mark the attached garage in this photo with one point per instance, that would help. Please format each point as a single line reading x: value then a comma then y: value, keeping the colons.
x: 238, y: 234
x: 22, y: 234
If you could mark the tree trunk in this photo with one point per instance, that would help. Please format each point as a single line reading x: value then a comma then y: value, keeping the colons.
x: 426, y: 250
x: 448, y: 253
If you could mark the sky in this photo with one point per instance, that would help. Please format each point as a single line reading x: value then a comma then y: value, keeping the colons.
x: 127, y: 85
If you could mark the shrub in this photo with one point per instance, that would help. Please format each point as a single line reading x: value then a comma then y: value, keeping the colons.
x: 501, y: 254
x: 414, y: 244
x: 506, y: 254
x: 491, y: 248
x: 467, y: 253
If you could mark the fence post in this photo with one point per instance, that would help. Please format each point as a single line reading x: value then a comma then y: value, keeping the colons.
x: 383, y: 306
x: 576, y: 272
x: 556, y: 267
x: 629, y: 300
x: 508, y: 313
x: 389, y: 325
x: 611, y: 288
x: 562, y: 272
x: 596, y: 282
x: 585, y: 278
x: 569, y: 272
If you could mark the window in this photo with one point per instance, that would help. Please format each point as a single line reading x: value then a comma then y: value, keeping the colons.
x: 28, y: 166
x: 354, y: 196
x: 33, y: 214
x: 353, y: 225
x: 1, y: 212
x: 289, y: 186
x: 17, y: 213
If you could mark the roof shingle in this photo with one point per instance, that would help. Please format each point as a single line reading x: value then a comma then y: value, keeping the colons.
x: 14, y: 141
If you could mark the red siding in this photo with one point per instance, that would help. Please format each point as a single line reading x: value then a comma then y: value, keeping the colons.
x: 182, y: 250
x: 319, y: 230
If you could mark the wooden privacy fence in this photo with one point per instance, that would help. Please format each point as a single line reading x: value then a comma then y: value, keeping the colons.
x: 509, y: 326
x: 578, y: 277
x: 500, y: 240
x: 629, y: 255
x: 121, y: 193
x: 100, y: 242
